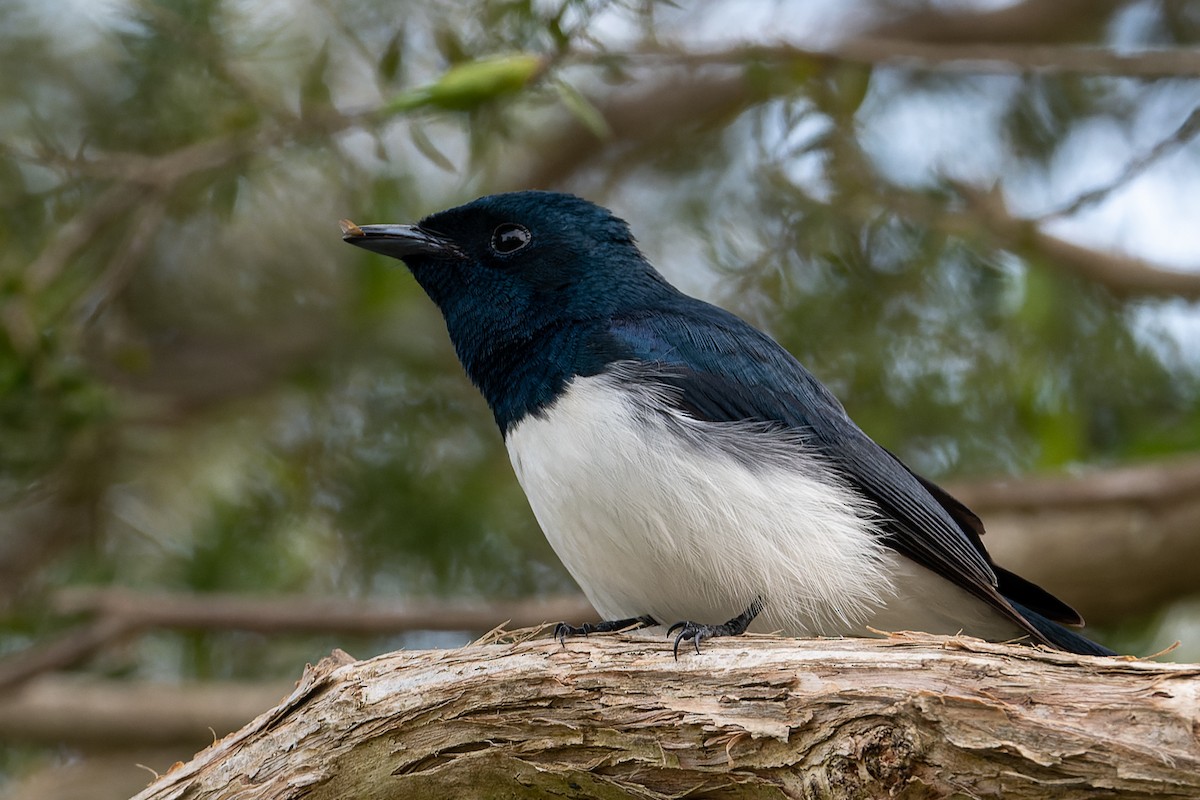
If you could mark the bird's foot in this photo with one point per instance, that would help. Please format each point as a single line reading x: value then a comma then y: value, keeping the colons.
x: 562, y: 630
x: 696, y: 633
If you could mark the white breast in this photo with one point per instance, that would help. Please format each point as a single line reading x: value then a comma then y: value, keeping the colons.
x: 653, y: 514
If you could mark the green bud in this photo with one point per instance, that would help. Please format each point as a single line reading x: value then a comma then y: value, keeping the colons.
x: 466, y: 86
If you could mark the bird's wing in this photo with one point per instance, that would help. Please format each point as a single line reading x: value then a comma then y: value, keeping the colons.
x: 722, y: 369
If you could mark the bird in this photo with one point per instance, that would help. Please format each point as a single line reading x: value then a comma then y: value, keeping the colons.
x: 686, y: 468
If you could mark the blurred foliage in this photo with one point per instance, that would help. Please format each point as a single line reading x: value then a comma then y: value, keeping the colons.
x: 188, y: 351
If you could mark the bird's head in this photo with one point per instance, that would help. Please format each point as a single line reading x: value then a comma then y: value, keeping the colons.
x: 516, y: 274
x: 509, y: 266
x: 524, y: 257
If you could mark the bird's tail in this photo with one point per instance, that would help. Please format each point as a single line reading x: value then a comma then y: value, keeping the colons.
x: 1060, y: 636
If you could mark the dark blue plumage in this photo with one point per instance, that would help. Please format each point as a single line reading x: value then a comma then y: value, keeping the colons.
x: 549, y: 302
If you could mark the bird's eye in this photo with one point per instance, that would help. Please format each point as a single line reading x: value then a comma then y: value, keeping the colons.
x: 510, y: 237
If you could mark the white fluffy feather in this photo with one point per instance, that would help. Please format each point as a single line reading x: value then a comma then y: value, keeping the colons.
x: 653, y: 512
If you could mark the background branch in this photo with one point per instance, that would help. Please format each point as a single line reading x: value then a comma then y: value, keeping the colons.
x: 97, y: 713
x: 66, y: 650
x: 1024, y: 21
x: 122, y: 613
x: 1114, y: 543
x: 1187, y: 130
x: 1124, y: 276
x: 968, y: 57
x: 283, y: 614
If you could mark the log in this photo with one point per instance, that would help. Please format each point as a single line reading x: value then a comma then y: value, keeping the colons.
x: 911, y: 716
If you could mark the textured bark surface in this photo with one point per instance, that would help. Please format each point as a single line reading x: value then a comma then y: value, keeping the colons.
x: 754, y: 717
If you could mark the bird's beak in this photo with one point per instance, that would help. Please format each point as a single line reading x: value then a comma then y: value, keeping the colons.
x: 398, y: 241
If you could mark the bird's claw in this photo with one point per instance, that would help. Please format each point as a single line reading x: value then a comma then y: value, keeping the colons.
x: 692, y: 632
x: 696, y: 633
x: 562, y: 630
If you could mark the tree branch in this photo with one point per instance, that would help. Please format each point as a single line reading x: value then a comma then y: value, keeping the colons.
x: 51, y: 517
x: 1113, y: 543
x: 970, y: 57
x: 711, y: 87
x: 300, y: 614
x: 64, y: 651
x: 1156, y: 483
x: 1124, y: 276
x: 990, y: 58
x: 122, y: 613
x: 1025, y: 21
x: 100, y: 775
x: 95, y: 713
x: 1187, y: 130
x: 682, y: 102
x: 759, y: 716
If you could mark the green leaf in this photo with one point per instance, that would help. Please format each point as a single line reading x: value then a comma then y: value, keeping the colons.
x: 467, y: 86
x: 314, y: 89
x: 583, y: 109
x: 393, y: 56
x: 429, y: 149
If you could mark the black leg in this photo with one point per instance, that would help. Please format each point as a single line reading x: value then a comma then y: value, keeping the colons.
x: 562, y: 630
x: 695, y: 633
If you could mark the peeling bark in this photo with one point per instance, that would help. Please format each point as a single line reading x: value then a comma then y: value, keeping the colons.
x: 757, y: 716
